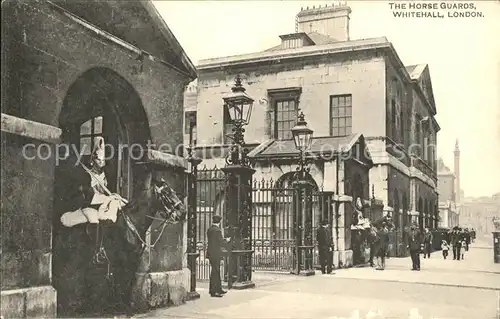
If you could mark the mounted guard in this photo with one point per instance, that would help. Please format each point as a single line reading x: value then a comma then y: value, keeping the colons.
x: 96, y: 201
x: 114, y: 237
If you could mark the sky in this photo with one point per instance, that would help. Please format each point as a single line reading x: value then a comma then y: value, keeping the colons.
x: 463, y: 55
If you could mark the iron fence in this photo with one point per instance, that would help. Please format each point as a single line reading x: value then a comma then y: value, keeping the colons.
x: 273, y: 221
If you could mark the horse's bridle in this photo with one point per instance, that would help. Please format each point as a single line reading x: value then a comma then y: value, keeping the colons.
x: 159, y: 186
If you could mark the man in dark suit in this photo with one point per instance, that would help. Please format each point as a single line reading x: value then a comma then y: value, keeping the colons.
x: 415, y: 246
x: 216, y: 243
x: 325, y: 247
x: 427, y: 243
x: 382, y: 246
x: 456, y: 243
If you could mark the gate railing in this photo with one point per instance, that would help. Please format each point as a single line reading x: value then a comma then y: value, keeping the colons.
x: 272, y: 221
x: 273, y: 224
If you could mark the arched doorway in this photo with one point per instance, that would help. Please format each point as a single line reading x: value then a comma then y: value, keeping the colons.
x: 100, y: 103
x: 282, y: 205
x: 354, y: 238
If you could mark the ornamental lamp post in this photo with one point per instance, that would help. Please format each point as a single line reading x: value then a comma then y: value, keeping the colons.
x: 239, y: 105
x: 192, y: 252
x: 238, y: 193
x: 303, y: 255
x: 302, y: 137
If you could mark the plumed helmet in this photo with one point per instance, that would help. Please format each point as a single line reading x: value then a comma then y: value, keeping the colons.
x: 358, y: 204
x: 98, y: 151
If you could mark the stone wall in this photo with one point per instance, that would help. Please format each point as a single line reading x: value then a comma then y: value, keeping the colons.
x: 428, y: 195
x: 362, y: 75
x: 27, y: 190
x: 45, y: 52
x: 53, y: 51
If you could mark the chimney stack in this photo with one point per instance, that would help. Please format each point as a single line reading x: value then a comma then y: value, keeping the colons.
x: 332, y: 21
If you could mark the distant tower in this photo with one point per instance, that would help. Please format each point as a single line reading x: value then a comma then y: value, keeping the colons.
x: 456, y: 152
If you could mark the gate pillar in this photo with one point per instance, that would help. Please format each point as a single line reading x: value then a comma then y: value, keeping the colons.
x: 304, y: 264
x: 238, y: 216
x: 192, y: 253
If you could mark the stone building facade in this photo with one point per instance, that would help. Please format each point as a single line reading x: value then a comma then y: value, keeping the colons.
x: 448, y: 208
x: 478, y: 213
x: 65, y: 63
x: 344, y: 87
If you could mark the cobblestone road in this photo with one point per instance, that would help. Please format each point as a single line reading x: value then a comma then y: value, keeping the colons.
x: 466, y: 289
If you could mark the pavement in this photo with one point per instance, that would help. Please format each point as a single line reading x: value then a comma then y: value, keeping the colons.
x: 444, y: 289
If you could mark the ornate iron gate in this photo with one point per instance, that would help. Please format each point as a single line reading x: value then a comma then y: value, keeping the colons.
x: 209, y: 202
x: 274, y: 224
x: 273, y: 227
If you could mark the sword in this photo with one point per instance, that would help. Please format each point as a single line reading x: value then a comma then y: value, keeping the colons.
x: 101, y: 184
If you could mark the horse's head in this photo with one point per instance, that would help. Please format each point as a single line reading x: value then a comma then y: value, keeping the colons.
x: 164, y: 205
x: 167, y: 204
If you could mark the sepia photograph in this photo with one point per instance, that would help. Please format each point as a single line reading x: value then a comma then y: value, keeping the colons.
x: 240, y: 159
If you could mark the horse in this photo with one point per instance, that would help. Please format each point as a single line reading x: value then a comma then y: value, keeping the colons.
x: 102, y: 259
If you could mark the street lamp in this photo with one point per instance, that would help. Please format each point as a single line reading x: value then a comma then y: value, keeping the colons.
x: 302, y: 134
x: 238, y: 192
x: 302, y: 137
x: 303, y: 261
x: 239, y: 105
x: 192, y: 252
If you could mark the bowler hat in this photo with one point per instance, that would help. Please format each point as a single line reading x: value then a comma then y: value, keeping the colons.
x: 324, y: 222
x: 216, y: 219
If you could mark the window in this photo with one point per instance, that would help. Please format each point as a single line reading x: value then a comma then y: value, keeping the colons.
x: 286, y: 118
x: 190, y: 126
x: 402, y: 127
x: 396, y: 131
x: 189, y: 121
x: 284, y: 111
x: 393, y: 119
x: 341, y: 115
x: 418, y: 133
x: 88, y: 132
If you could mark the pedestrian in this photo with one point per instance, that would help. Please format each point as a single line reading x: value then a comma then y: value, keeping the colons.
x: 467, y: 236
x: 444, y: 248
x: 455, y: 243
x: 216, y: 244
x: 325, y: 247
x: 414, y: 245
x: 427, y: 243
x: 463, y: 249
x: 381, y: 247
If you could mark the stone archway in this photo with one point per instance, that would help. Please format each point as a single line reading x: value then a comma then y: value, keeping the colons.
x: 282, y: 217
x: 99, y: 103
